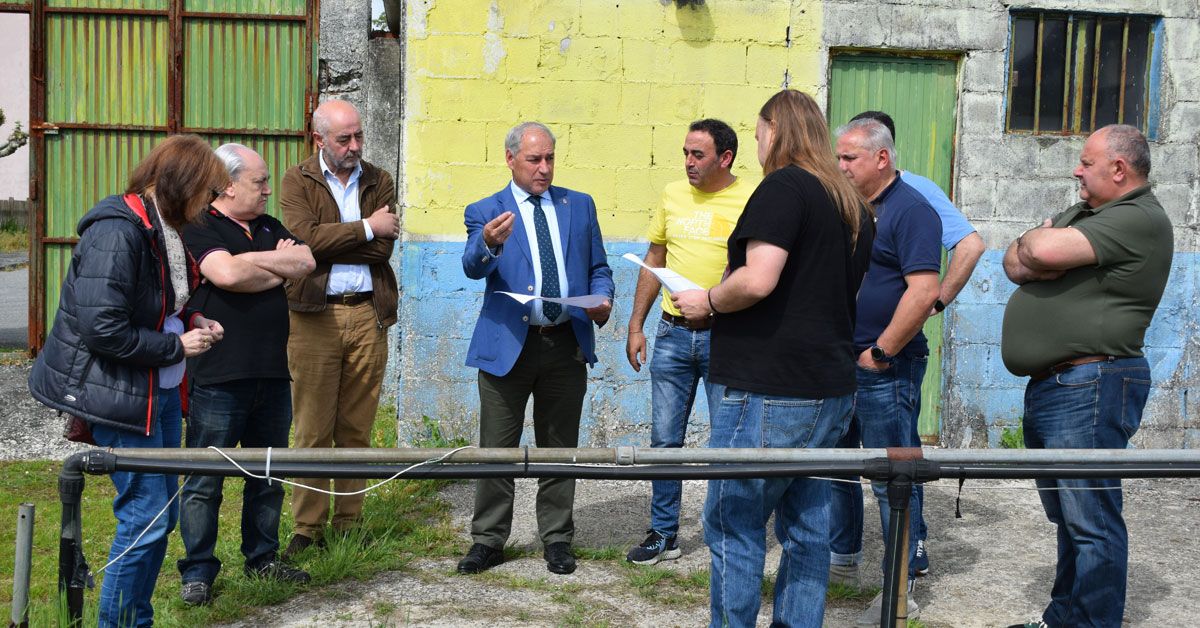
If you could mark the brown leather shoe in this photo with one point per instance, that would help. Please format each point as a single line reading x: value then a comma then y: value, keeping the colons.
x: 298, y: 544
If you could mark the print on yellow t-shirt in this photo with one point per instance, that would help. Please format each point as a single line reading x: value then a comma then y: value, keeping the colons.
x: 695, y: 227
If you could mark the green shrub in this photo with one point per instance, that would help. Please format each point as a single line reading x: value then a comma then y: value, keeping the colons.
x: 1013, y: 438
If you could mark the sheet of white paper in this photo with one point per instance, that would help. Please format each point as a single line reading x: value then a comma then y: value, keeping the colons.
x: 669, y: 278
x: 585, y: 301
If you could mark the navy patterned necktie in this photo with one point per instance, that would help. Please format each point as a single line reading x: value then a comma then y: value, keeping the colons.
x: 549, y: 265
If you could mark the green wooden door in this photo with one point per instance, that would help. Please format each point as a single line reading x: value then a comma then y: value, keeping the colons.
x: 121, y: 76
x: 921, y: 95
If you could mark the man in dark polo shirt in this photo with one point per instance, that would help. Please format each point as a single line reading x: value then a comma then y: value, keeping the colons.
x: 1090, y: 280
x: 241, y: 389
x: 897, y: 293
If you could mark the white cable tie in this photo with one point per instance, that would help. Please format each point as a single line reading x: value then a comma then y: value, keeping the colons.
x: 268, y: 471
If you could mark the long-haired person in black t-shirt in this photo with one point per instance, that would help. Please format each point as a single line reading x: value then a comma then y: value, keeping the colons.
x: 782, y: 358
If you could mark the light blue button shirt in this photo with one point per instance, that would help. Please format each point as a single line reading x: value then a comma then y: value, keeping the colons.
x: 536, y: 316
x: 955, y: 225
x: 347, y: 278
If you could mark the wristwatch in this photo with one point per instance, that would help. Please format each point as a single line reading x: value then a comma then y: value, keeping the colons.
x: 879, y: 355
x: 938, y: 306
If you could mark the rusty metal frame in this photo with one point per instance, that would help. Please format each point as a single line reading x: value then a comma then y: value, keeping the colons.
x: 37, y: 183
x: 1072, y: 116
x: 1067, y: 72
x: 1037, y: 73
x: 40, y: 127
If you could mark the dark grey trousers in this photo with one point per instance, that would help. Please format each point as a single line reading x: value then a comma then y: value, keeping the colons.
x: 551, y: 369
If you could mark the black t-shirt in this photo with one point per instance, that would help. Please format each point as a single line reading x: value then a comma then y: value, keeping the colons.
x: 256, y: 323
x: 798, y: 341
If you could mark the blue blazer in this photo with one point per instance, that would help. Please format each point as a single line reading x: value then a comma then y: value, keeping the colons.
x: 503, y: 323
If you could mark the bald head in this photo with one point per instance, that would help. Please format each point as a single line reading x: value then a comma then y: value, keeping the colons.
x: 333, y: 112
x: 1127, y: 142
x: 337, y: 130
x: 1114, y: 162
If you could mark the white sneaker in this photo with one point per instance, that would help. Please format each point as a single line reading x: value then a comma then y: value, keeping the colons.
x: 870, y: 617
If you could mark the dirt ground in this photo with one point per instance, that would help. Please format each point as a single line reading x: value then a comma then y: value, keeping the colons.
x: 992, y: 567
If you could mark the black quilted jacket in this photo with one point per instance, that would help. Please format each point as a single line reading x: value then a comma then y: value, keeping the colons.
x: 101, y: 358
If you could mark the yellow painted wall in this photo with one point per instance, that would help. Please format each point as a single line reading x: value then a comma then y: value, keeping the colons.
x: 617, y: 82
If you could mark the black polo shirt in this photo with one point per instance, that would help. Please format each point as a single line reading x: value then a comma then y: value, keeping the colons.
x: 256, y: 323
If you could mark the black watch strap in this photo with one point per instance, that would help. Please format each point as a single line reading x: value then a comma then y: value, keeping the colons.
x: 938, y: 305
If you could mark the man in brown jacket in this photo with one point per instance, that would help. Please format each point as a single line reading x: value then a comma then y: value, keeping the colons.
x: 342, y: 207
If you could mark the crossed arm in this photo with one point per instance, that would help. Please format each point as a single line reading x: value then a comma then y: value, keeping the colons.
x: 257, y: 271
x: 1044, y: 253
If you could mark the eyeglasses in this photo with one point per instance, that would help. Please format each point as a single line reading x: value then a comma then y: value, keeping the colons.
x: 215, y: 194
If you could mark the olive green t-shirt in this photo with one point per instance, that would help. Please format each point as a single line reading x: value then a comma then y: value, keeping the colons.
x: 1094, y: 310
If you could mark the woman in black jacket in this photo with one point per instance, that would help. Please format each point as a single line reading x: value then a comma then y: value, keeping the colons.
x: 115, y: 355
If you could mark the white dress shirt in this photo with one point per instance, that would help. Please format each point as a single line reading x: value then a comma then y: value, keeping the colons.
x: 536, y: 316
x: 347, y: 278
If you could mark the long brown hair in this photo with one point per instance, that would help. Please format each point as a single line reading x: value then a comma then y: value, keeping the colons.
x: 182, y: 172
x: 801, y: 138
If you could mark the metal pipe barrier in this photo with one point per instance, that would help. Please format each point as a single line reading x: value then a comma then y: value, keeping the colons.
x: 900, y: 468
x: 22, y: 560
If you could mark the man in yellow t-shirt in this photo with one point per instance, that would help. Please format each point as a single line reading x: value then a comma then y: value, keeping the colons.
x: 687, y: 234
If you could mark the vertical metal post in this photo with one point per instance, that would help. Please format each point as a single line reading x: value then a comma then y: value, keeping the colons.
x: 21, y: 563
x: 894, y: 609
x: 72, y: 567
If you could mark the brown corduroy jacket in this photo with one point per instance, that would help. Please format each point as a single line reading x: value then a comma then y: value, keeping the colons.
x: 310, y: 212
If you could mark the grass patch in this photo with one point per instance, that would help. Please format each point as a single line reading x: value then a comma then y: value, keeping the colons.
x: 402, y: 520
x: 838, y: 592
x: 667, y: 587
x: 13, y: 239
x: 1013, y: 438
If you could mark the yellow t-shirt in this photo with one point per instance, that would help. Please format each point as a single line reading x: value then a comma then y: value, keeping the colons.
x: 695, y: 227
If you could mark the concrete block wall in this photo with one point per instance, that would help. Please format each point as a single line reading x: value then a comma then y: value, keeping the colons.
x: 618, y: 83
x: 1007, y: 183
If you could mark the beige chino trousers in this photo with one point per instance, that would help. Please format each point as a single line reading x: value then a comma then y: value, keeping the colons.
x: 337, y: 359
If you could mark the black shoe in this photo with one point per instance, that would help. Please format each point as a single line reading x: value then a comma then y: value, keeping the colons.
x: 278, y: 570
x: 196, y: 593
x: 298, y: 544
x: 480, y: 558
x: 559, y: 559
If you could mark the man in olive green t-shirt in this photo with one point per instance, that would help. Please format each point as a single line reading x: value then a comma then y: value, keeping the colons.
x: 1090, y: 279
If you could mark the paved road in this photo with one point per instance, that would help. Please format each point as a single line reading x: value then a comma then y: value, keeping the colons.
x: 14, y: 304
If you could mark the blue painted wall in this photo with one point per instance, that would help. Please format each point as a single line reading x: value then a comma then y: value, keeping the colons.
x: 438, y: 307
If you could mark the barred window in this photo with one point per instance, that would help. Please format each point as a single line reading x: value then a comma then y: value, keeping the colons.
x: 1072, y: 73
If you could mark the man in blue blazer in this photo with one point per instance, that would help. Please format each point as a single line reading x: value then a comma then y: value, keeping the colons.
x: 532, y: 239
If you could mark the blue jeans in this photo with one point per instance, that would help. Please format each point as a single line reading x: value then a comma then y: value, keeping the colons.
x: 1091, y: 406
x: 129, y: 583
x: 680, y: 360
x: 736, y: 511
x: 886, y: 408
x: 252, y: 413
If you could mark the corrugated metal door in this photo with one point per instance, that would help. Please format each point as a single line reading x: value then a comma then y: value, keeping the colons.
x: 110, y: 82
x: 921, y: 95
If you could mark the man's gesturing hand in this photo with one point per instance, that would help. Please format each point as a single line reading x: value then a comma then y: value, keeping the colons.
x: 498, y: 230
x: 384, y: 224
